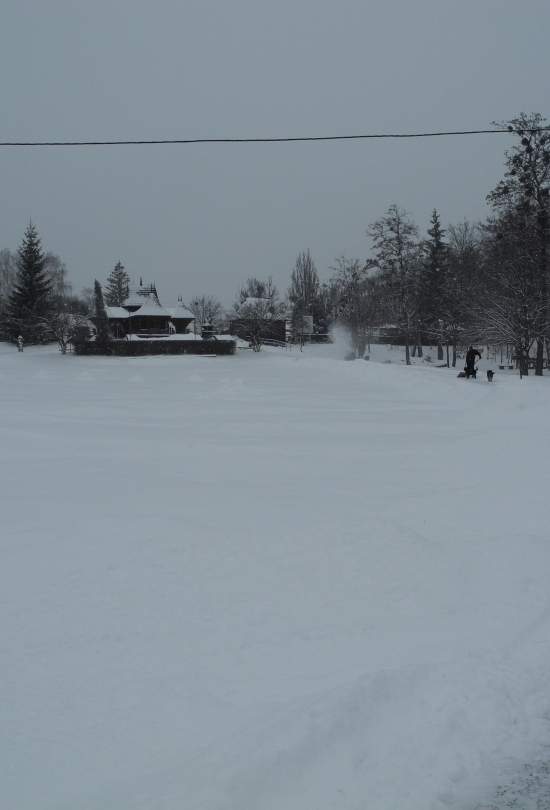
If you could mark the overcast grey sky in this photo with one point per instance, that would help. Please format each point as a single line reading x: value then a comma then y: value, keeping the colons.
x: 203, y: 218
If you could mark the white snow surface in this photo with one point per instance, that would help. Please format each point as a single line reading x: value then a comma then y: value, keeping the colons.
x: 149, y: 307
x: 274, y: 581
x: 179, y: 312
x: 117, y: 312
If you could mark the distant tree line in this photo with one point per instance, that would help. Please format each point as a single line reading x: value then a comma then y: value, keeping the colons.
x: 471, y: 282
x: 485, y: 281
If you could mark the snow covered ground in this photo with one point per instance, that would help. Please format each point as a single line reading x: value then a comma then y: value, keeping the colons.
x: 274, y: 581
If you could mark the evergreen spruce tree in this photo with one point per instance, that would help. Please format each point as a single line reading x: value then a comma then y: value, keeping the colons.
x: 433, y: 281
x: 103, y: 333
x: 118, y: 286
x: 30, y: 302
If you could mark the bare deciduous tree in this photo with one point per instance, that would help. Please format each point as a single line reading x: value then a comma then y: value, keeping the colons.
x: 463, y: 290
x: 396, y: 254
x: 303, y: 293
x: 8, y: 271
x: 526, y: 189
x: 356, y: 301
x: 63, y: 327
x: 56, y: 270
x: 514, y: 311
x: 87, y: 296
x: 257, y: 290
x: 206, y: 309
x: 256, y: 307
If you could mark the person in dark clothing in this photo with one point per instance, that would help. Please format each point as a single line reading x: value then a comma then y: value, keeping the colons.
x: 471, y: 355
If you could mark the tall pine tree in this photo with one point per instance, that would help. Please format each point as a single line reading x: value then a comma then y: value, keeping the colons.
x: 30, y: 302
x: 118, y: 286
x: 433, y: 281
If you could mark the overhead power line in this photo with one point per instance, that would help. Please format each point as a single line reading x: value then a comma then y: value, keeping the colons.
x: 297, y: 139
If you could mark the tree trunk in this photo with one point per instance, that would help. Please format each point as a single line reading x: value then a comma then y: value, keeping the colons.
x: 539, y: 362
x: 454, y: 355
x: 447, y: 347
x: 407, y: 321
x: 440, y: 351
x: 542, y: 227
x: 523, y: 362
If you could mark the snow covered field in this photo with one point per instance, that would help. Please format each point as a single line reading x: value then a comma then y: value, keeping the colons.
x: 274, y: 581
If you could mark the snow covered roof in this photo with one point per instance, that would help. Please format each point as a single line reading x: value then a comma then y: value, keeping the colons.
x: 146, y: 298
x: 117, y: 312
x: 141, y: 294
x: 135, y: 299
x: 250, y: 301
x: 179, y: 312
x: 151, y: 309
x: 373, y: 272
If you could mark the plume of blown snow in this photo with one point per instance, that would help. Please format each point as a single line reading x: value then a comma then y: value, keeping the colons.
x: 341, y: 341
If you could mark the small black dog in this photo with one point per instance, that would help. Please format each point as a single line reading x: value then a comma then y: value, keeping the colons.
x: 490, y: 375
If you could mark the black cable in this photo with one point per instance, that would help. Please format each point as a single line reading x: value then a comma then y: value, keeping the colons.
x: 300, y: 139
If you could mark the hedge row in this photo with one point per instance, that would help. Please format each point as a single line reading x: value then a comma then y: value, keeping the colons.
x: 138, y: 348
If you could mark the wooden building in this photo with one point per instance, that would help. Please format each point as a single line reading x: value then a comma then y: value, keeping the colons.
x: 142, y: 314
